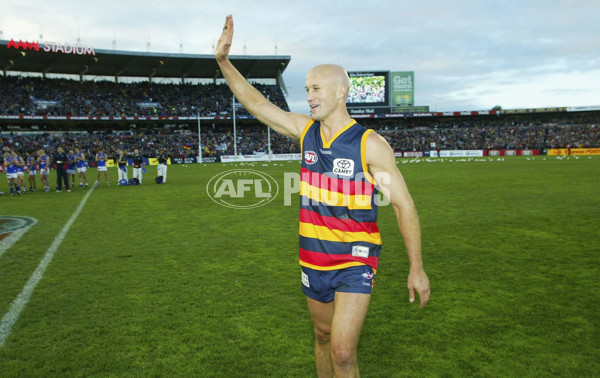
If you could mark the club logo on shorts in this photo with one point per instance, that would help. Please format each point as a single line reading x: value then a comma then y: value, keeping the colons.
x: 368, y: 275
x: 310, y: 157
x: 305, y: 280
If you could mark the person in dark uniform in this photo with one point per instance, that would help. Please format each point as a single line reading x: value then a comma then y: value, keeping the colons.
x: 138, y: 165
x: 121, y: 160
x: 61, y: 160
x: 163, y: 159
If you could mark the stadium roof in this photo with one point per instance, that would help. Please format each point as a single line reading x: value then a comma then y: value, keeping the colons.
x: 56, y: 58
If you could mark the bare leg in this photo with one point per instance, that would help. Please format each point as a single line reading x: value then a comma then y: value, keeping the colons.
x: 337, y: 327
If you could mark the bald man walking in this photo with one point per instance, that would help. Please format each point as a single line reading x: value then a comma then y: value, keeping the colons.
x: 344, y: 166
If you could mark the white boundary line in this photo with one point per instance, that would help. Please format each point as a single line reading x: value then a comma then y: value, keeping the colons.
x: 10, y: 318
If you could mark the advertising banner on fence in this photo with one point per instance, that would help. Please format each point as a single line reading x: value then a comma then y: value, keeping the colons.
x: 461, y: 153
x: 512, y: 152
x: 265, y: 157
x: 413, y: 154
x: 585, y: 151
x: 573, y: 151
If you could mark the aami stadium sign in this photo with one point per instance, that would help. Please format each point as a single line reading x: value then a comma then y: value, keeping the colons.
x: 65, y: 48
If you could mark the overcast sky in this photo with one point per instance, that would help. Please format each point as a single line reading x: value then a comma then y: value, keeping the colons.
x: 466, y: 54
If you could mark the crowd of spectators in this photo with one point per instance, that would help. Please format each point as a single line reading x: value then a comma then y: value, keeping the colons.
x: 253, y: 138
x: 34, y: 96
x: 502, y: 132
x: 37, y: 96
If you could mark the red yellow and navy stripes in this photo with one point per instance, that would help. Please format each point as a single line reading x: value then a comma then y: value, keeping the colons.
x: 338, y: 213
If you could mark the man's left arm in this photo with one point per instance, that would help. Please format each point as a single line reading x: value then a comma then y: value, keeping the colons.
x: 382, y: 166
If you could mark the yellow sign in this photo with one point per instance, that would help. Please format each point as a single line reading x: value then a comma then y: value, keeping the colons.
x: 585, y: 151
x: 574, y: 151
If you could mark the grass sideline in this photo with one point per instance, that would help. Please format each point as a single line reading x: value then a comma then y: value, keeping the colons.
x: 158, y: 280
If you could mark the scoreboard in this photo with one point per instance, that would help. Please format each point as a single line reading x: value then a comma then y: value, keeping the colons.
x: 376, y: 92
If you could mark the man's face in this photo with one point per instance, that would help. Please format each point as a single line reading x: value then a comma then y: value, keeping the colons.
x: 321, y: 93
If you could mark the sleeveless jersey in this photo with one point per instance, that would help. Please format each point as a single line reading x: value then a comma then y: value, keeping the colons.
x: 71, y: 164
x: 7, y: 164
x: 21, y: 166
x: 80, y: 163
x: 44, y: 162
x: 31, y: 164
x: 102, y: 159
x: 338, y: 213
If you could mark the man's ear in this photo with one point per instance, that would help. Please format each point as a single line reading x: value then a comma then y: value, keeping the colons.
x: 342, y: 92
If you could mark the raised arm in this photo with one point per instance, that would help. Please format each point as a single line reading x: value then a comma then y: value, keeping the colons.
x: 286, y: 123
x: 382, y: 165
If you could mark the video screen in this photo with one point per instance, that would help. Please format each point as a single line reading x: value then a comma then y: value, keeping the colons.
x: 368, y: 89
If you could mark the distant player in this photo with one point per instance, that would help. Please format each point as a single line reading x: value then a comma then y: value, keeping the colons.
x: 101, y: 164
x: 31, y: 162
x: 71, y: 168
x: 121, y: 161
x: 44, y: 166
x: 138, y: 165
x: 20, y: 163
x: 10, y: 167
x: 161, y: 169
x: 81, y: 166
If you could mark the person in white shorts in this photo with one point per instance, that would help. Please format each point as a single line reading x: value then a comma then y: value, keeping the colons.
x: 10, y: 167
x: 101, y: 164
x: 31, y: 162
x: 71, y: 169
x: 44, y: 164
x: 20, y: 162
x: 161, y: 169
x: 138, y: 165
x: 121, y: 161
x: 81, y: 167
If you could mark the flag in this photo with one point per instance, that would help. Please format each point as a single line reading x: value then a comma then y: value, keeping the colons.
x: 187, y: 146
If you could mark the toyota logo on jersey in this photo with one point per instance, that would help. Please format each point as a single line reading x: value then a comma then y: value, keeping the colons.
x: 310, y: 157
x: 343, y: 167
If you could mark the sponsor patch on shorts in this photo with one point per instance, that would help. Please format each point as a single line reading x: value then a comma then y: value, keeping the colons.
x: 305, y: 280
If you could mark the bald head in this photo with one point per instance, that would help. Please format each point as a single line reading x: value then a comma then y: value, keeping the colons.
x: 332, y: 74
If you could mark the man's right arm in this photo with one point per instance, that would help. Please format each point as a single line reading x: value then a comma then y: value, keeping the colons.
x: 286, y: 123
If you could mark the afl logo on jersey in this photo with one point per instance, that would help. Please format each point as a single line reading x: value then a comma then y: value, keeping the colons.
x: 343, y: 167
x: 310, y: 157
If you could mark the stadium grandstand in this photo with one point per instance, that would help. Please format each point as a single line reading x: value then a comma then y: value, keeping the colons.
x: 75, y: 96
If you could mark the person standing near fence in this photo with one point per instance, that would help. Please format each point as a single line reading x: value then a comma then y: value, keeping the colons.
x: 44, y: 165
x: 161, y: 169
x: 71, y: 169
x: 81, y: 165
x: 101, y: 166
x: 138, y: 165
x: 61, y: 159
x: 31, y: 162
x: 121, y: 161
x: 10, y: 167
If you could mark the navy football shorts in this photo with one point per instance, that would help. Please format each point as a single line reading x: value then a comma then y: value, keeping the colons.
x: 321, y: 285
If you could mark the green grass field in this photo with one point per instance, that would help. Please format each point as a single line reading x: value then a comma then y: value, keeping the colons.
x: 159, y: 280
